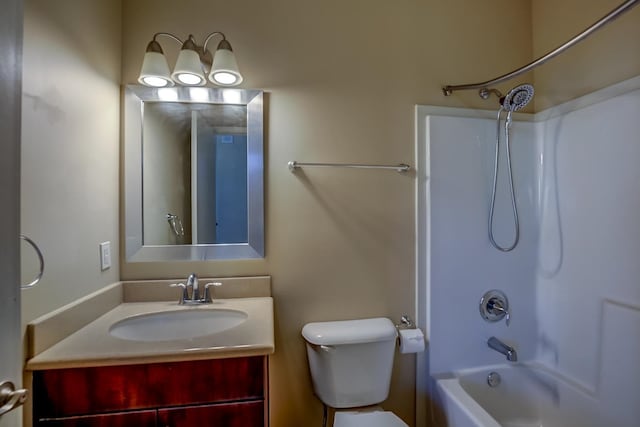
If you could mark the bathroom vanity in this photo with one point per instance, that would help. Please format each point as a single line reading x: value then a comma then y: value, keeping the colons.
x: 219, y: 392
x: 102, y: 361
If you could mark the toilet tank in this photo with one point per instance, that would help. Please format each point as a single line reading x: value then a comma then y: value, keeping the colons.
x: 351, y: 360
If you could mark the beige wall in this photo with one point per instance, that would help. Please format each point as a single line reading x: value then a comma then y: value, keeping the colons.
x: 609, y: 56
x: 70, y: 145
x: 342, y: 80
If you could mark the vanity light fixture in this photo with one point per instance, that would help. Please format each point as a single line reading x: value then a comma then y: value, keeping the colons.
x: 192, y: 65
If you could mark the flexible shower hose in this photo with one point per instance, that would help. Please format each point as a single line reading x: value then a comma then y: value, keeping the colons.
x: 507, y: 126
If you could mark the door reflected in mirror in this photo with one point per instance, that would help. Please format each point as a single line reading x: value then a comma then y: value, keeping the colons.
x: 194, y: 181
x: 193, y: 174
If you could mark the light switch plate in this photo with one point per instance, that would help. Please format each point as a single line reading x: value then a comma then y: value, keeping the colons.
x: 105, y: 255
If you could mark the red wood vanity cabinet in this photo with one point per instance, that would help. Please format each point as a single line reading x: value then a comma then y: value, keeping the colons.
x: 203, y: 393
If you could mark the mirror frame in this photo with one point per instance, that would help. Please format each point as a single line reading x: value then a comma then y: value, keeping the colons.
x: 135, y: 97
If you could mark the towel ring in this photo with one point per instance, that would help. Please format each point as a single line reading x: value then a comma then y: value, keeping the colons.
x: 40, y: 257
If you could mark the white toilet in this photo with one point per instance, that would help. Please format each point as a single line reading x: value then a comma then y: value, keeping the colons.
x: 351, y: 363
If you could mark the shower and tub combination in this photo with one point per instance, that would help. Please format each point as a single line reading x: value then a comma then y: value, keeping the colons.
x: 569, y: 288
x: 531, y: 218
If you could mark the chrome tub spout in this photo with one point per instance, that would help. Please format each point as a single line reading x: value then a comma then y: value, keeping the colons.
x: 497, y: 345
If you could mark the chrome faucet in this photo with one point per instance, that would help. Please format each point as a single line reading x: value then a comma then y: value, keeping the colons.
x: 194, y: 298
x: 497, y: 345
x: 192, y: 282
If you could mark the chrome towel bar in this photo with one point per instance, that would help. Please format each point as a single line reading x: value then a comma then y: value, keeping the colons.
x: 294, y: 165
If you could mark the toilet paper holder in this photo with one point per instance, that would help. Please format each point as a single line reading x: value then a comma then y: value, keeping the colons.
x: 405, y: 322
x: 410, y: 337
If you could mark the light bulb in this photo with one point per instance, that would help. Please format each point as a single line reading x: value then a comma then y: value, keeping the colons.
x: 155, y: 81
x: 155, y: 71
x: 188, y: 70
x: 224, y: 78
x: 224, y: 70
x: 188, y: 79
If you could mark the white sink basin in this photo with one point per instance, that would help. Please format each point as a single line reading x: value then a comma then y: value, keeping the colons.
x: 176, y: 325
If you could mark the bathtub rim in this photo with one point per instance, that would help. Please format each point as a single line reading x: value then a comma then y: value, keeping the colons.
x: 448, y: 387
x: 451, y: 389
x: 581, y: 387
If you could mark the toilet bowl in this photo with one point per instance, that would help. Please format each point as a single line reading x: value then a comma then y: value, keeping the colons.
x: 351, y: 363
x: 377, y: 418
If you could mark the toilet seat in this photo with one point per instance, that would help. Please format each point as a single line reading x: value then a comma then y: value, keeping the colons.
x: 368, y: 419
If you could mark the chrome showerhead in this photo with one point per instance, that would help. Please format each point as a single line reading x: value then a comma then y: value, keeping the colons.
x: 517, y: 98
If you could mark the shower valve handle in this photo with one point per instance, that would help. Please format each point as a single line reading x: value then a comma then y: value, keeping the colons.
x: 494, y: 306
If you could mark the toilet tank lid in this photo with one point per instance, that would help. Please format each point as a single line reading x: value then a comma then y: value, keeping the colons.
x: 349, y: 331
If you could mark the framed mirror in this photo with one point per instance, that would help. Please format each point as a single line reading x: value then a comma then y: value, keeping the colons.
x: 193, y: 174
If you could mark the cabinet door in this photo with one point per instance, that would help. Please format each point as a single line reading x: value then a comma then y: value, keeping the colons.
x: 78, y: 391
x: 125, y: 419
x: 247, y: 414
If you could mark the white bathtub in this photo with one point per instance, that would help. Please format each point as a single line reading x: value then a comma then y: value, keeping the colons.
x: 527, y: 396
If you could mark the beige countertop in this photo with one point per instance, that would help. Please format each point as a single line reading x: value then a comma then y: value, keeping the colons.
x: 89, y: 343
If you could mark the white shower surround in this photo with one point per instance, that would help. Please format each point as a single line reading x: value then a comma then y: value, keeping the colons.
x: 574, y: 280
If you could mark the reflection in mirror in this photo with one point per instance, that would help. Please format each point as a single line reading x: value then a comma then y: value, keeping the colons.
x: 193, y: 174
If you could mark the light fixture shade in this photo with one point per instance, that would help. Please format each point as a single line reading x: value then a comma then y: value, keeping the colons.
x: 224, y: 70
x: 155, y: 70
x: 188, y: 70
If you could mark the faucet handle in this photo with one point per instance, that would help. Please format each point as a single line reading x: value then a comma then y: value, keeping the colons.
x: 507, y: 316
x: 183, y: 295
x: 494, y: 306
x: 207, y: 293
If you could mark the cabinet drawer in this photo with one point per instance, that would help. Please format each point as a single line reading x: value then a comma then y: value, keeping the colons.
x: 247, y: 414
x: 79, y: 391
x: 129, y: 419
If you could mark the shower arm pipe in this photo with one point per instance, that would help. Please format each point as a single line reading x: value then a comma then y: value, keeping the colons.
x: 615, y: 13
